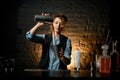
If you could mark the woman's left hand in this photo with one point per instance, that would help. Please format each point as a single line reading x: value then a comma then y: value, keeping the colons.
x: 61, y: 53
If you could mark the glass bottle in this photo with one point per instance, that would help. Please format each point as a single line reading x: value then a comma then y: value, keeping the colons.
x: 114, y: 57
x: 105, y: 60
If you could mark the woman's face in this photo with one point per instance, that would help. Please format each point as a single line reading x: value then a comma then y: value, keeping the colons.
x: 58, y: 25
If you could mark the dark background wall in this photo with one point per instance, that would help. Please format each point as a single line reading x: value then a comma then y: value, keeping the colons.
x: 8, y: 22
x: 89, y: 22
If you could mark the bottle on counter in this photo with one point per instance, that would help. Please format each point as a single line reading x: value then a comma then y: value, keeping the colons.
x: 114, y: 57
x: 105, y: 60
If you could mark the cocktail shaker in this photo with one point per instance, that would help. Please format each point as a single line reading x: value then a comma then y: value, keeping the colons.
x: 43, y: 18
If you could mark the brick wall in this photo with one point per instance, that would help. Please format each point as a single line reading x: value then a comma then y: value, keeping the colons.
x: 88, y: 24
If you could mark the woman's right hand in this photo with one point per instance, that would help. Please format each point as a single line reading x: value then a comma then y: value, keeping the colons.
x: 39, y: 24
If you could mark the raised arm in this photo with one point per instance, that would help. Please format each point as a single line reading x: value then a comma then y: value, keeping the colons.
x: 34, y: 29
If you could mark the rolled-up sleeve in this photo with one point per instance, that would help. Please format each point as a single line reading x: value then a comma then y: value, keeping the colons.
x: 37, y: 38
x: 28, y: 35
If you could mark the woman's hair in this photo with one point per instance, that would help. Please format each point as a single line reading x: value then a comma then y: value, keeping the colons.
x: 61, y: 16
